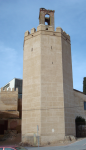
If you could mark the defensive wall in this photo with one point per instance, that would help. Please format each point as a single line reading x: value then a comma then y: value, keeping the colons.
x: 9, y: 103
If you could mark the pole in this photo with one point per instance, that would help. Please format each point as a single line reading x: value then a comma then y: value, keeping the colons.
x: 38, y: 134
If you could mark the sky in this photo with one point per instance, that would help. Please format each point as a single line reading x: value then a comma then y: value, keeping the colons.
x: 18, y: 16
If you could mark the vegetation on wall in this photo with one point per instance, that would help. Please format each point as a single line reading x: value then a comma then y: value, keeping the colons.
x: 80, y: 120
x: 84, y: 85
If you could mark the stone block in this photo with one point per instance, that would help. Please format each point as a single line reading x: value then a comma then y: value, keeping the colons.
x: 59, y: 29
x: 12, y: 89
x: 33, y: 30
x: 27, y: 33
x: 16, y: 89
x: 41, y: 27
x: 1, y: 89
x: 50, y: 28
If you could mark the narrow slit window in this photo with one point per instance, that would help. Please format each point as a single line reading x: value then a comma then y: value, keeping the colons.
x: 31, y: 49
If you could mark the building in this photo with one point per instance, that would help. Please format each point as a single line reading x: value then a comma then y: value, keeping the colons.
x: 49, y: 101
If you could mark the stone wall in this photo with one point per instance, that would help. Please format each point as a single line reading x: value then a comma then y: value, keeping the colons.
x: 43, y: 91
x: 69, y: 114
x: 9, y: 103
x: 48, y: 96
x: 14, y: 124
x: 79, y: 99
x: 31, y: 99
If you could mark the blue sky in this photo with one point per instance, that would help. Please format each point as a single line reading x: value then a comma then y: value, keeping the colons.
x: 18, y: 16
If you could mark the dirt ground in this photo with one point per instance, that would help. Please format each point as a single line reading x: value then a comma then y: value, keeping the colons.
x: 11, y: 141
x: 14, y: 141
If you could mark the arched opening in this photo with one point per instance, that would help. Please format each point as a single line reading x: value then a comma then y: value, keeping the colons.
x: 47, y: 19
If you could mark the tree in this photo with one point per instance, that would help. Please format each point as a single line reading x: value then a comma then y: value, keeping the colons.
x: 80, y: 120
x: 84, y: 85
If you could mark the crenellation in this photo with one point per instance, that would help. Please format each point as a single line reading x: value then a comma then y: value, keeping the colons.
x: 59, y: 29
x: 16, y: 89
x: 5, y: 89
x: 66, y: 35
x: 50, y: 28
x: 12, y: 89
x: 27, y: 33
x: 41, y: 27
x: 1, y: 89
x: 9, y: 89
x: 33, y: 30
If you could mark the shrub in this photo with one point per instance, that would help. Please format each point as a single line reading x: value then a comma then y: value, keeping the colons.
x: 79, y: 119
x: 84, y: 85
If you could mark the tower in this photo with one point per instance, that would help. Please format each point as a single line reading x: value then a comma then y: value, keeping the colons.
x: 49, y: 20
x: 47, y: 84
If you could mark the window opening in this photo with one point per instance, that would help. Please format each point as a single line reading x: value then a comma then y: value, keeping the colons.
x: 47, y: 19
x: 84, y: 105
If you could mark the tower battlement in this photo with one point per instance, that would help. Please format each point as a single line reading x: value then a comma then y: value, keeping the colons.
x: 8, y: 89
x: 42, y: 27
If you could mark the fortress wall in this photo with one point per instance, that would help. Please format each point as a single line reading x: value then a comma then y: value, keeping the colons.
x: 8, y: 99
x: 68, y: 86
x: 31, y: 100
x: 52, y: 100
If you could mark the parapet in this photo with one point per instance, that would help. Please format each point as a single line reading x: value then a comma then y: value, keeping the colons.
x: 27, y: 33
x: 9, y: 89
x: 33, y: 30
x: 59, y: 29
x: 43, y: 27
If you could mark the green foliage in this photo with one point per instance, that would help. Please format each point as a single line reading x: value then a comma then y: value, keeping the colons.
x: 79, y: 119
x: 84, y: 85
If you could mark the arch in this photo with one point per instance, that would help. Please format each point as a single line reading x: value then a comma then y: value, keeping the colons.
x: 47, y: 19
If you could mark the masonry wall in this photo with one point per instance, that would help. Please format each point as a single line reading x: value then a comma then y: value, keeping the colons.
x: 43, y: 97
x: 14, y: 124
x: 79, y: 99
x: 8, y: 100
x: 31, y: 101
x: 68, y: 86
x: 9, y: 103
x: 52, y: 100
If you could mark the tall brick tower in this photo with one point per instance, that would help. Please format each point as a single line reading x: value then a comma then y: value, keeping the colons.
x: 47, y: 83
